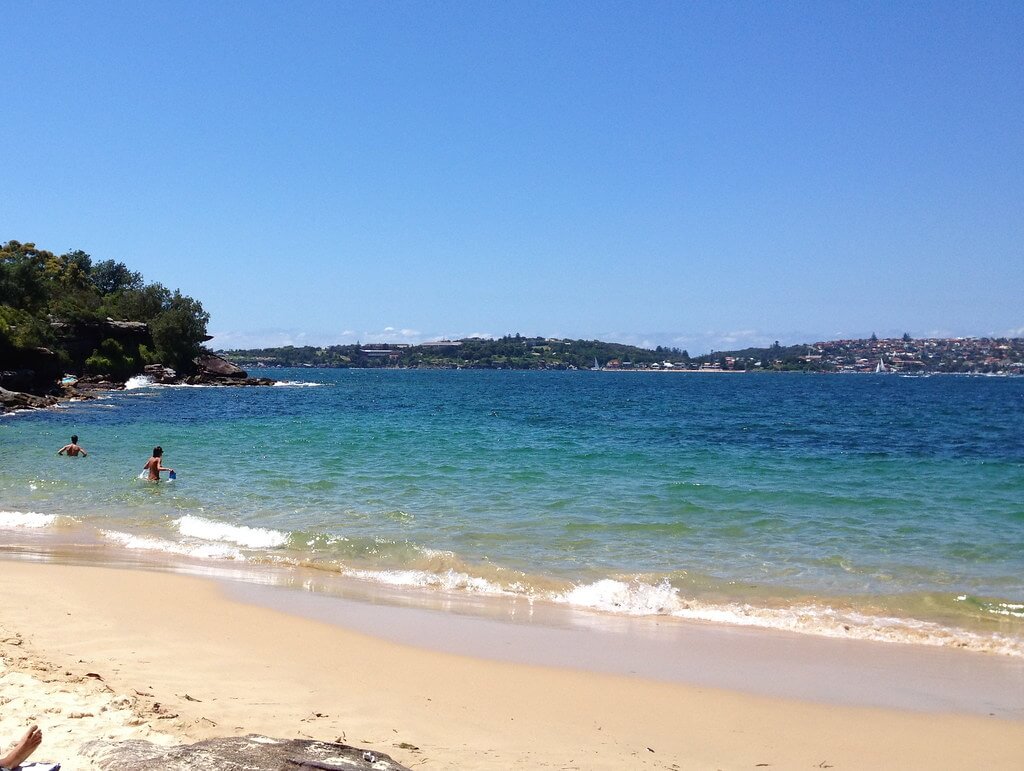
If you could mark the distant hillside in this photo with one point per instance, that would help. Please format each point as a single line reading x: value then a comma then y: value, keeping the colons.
x: 979, y: 355
x: 905, y: 354
x: 509, y: 352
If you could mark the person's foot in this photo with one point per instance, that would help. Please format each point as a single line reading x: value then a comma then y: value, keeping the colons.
x: 28, y: 744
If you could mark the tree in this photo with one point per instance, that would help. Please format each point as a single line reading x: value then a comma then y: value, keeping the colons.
x: 111, y: 359
x: 109, y: 277
x: 142, y: 304
x: 906, y: 337
x: 179, y: 332
x: 22, y: 282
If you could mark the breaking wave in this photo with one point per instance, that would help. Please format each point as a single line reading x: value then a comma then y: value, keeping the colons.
x: 10, y: 520
x: 432, y: 570
x: 241, y: 535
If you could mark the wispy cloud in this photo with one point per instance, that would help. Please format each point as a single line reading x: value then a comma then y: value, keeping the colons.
x: 261, y: 338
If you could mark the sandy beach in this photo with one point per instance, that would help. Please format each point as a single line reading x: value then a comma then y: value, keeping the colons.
x: 105, y: 653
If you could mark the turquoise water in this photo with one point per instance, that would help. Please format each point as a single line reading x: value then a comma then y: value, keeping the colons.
x: 876, y: 507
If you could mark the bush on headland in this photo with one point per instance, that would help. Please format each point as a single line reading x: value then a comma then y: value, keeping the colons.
x: 69, y: 314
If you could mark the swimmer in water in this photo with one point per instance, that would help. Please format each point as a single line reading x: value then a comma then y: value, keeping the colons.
x: 73, y: 449
x: 155, y: 465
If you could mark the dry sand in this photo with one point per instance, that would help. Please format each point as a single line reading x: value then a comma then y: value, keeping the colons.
x: 91, y: 652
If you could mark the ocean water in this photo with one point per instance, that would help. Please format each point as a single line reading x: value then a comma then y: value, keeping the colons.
x: 868, y: 507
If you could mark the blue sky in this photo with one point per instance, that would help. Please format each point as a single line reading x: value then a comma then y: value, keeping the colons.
x: 707, y: 175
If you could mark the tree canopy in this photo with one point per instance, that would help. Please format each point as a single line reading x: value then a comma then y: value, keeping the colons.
x: 47, y: 300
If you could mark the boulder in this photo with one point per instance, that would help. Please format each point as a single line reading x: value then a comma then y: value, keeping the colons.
x: 36, y: 370
x: 212, y: 365
x: 158, y: 373
x: 18, y: 379
x: 97, y: 383
x: 16, y: 400
x: 238, y: 753
x: 216, y: 370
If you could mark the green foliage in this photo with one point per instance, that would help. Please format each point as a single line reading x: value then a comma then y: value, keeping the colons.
x: 110, y: 277
x: 111, y: 359
x: 59, y: 301
x: 179, y: 331
x: 147, y: 355
x: 509, y: 352
x: 142, y: 304
x: 20, y: 329
x: 22, y: 276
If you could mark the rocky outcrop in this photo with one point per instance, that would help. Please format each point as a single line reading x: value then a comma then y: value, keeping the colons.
x: 88, y: 383
x: 81, y: 338
x: 239, y: 753
x: 217, y: 366
x: 214, y: 370
x: 16, y: 400
x: 35, y: 370
x: 35, y: 381
x: 158, y: 373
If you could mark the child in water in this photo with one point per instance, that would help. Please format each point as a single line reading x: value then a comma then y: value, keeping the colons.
x: 154, y: 465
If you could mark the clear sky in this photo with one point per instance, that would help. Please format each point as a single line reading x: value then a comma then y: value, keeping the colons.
x: 708, y: 175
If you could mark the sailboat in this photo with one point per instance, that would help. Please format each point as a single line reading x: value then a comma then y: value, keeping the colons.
x: 595, y: 368
x: 880, y: 368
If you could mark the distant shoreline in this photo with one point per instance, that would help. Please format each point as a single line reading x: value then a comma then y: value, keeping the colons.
x: 641, y: 370
x: 904, y: 355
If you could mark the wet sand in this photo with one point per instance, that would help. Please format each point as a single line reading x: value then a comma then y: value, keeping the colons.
x: 88, y: 651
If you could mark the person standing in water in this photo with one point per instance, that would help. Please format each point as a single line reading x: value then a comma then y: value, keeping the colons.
x: 73, y: 449
x: 155, y: 464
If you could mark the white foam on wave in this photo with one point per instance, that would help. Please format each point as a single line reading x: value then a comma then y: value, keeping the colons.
x: 449, y: 580
x: 1014, y: 609
x: 296, y: 384
x: 635, y: 599
x: 241, y: 535
x: 642, y: 599
x: 13, y: 413
x: 144, y: 381
x: 147, y: 543
x: 11, y: 520
x: 830, y: 622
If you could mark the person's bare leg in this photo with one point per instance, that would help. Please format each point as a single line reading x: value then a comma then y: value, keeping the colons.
x: 28, y: 744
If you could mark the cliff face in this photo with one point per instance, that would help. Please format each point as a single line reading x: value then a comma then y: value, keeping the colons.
x: 34, y: 370
x: 80, y: 340
x: 39, y: 370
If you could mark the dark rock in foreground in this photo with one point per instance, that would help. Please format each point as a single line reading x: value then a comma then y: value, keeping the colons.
x: 239, y: 753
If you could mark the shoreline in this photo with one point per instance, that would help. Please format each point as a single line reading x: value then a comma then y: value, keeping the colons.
x: 253, y: 555
x: 222, y: 666
x: 762, y: 661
